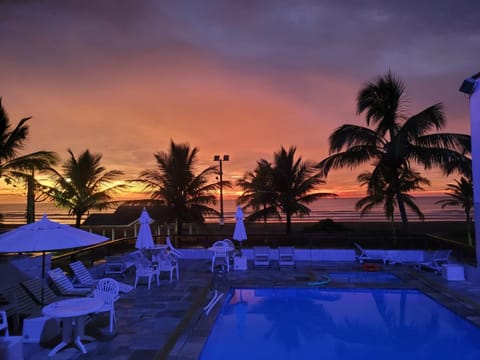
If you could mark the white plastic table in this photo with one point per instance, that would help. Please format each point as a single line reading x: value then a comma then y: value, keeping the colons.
x: 72, y: 313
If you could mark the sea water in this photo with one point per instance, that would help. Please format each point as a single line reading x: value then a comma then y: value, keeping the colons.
x: 339, y: 209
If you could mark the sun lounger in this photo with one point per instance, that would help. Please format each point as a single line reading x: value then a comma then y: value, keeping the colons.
x: 34, y: 288
x: 65, y: 286
x: 81, y: 275
x: 261, y: 256
x: 286, y: 256
x: 434, y: 260
x: 363, y: 255
x: 115, y: 265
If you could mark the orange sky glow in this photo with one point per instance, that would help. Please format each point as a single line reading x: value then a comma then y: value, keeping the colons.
x: 124, y: 81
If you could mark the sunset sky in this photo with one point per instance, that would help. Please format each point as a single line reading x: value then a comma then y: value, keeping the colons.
x: 123, y: 78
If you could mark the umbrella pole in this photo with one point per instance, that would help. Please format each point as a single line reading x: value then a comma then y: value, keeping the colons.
x: 43, y: 276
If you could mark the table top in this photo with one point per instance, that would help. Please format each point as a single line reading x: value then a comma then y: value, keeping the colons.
x: 73, y: 307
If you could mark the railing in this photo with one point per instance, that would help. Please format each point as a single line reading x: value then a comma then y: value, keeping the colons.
x: 332, y: 240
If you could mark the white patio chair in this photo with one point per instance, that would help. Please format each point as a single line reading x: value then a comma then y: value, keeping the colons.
x: 286, y: 256
x: 261, y: 256
x: 143, y: 270
x: 4, y: 322
x: 107, y: 290
x: 231, y: 249
x: 219, y: 255
x: 166, y: 262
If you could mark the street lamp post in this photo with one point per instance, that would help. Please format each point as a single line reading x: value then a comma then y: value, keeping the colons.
x: 221, y: 160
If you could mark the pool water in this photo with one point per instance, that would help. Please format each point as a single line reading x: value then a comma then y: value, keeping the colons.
x: 338, y: 324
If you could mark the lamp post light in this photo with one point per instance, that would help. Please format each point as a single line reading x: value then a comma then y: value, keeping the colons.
x: 220, y: 173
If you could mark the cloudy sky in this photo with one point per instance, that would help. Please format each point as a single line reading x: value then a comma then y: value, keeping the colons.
x: 243, y: 78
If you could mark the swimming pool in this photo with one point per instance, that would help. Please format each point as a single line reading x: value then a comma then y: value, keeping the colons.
x: 338, y: 324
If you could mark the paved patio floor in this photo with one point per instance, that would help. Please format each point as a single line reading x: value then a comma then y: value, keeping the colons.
x: 167, y: 321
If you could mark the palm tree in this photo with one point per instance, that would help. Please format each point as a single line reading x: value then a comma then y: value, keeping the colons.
x: 461, y: 194
x: 84, y: 185
x: 396, y: 141
x: 294, y: 183
x: 380, y: 192
x: 258, y: 192
x: 14, y: 167
x: 175, y: 184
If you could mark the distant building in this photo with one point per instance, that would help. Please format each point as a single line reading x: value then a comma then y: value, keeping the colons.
x: 125, y: 218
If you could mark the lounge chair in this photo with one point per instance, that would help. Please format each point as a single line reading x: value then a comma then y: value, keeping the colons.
x: 34, y: 288
x: 115, y: 265
x: 171, y: 249
x: 261, y: 256
x: 82, y: 275
x: 4, y: 322
x: 286, y: 256
x: 363, y: 255
x: 434, y: 260
x: 65, y: 286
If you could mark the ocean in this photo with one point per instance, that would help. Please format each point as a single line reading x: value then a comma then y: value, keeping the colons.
x: 339, y: 209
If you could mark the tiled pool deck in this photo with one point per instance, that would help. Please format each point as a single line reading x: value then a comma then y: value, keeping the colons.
x: 167, y: 322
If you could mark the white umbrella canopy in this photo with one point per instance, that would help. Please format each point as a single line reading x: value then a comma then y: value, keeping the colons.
x: 144, y: 237
x: 46, y: 235
x: 239, y: 232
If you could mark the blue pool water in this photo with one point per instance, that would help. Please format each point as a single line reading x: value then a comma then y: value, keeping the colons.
x: 338, y: 324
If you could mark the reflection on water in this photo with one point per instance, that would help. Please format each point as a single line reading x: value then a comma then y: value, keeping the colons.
x: 339, y: 324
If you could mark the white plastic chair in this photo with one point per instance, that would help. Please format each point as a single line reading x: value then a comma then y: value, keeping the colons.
x: 231, y: 249
x: 4, y: 322
x: 166, y: 262
x: 145, y: 271
x: 107, y: 290
x: 219, y: 254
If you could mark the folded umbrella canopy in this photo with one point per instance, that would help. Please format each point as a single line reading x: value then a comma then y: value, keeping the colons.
x: 144, y: 237
x: 44, y: 236
x: 239, y: 232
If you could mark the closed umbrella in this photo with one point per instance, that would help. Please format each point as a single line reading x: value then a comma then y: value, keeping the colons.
x: 46, y: 235
x: 144, y: 237
x: 239, y: 232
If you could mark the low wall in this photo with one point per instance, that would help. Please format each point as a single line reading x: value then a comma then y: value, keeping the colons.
x: 317, y: 254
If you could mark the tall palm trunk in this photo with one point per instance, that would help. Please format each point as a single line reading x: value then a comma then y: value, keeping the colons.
x: 402, y: 210
x: 30, y: 198
x: 289, y: 222
x: 78, y: 220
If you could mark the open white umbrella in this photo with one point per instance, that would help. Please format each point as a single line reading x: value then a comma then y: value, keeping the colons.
x: 144, y: 237
x: 239, y: 232
x: 46, y: 235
